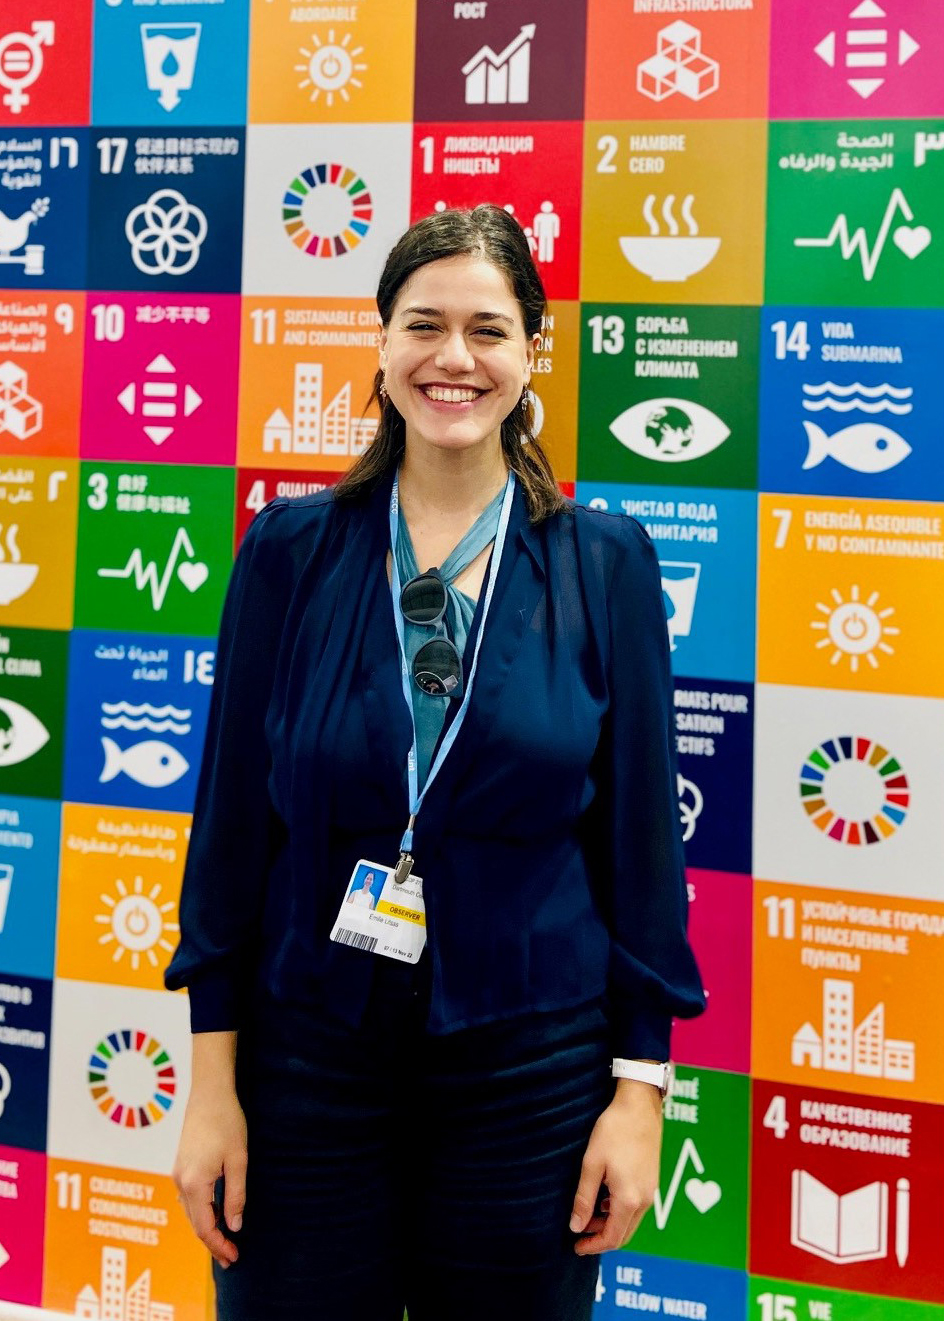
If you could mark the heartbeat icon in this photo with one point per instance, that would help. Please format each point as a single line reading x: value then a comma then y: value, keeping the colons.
x: 702, y: 1193
x: 192, y: 573
x: 912, y: 241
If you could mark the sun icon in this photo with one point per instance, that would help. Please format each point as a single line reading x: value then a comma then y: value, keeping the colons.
x: 330, y: 68
x: 854, y: 628
x: 136, y: 923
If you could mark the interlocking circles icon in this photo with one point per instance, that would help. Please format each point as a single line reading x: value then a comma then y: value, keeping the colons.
x: 166, y: 233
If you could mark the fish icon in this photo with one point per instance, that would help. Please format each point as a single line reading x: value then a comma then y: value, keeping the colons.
x: 151, y: 763
x: 866, y: 447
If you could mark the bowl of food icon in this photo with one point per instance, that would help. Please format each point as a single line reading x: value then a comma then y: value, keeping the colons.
x: 662, y: 257
x: 15, y: 580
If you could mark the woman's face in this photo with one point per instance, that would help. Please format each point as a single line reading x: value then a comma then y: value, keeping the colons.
x: 457, y: 357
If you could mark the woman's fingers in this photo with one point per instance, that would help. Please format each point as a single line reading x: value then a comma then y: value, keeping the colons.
x: 201, y: 1212
x: 585, y: 1198
x: 609, y: 1231
x: 234, y: 1191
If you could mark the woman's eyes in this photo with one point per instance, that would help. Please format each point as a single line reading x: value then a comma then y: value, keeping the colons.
x: 492, y: 332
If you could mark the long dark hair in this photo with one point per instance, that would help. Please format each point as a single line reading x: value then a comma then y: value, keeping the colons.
x: 489, y: 232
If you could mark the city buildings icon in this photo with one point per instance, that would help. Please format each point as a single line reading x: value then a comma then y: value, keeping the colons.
x: 116, y: 1301
x: 316, y: 428
x: 503, y: 78
x: 844, y: 1047
x: 679, y: 65
x: 20, y: 413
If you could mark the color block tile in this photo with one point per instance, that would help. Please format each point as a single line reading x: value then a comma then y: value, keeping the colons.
x: 851, y: 210
x: 706, y: 541
x: 673, y: 211
x: 169, y: 64
x: 119, y: 1075
x: 154, y: 545
x: 630, y: 1282
x: 29, y: 880
x: 44, y: 198
x: 533, y: 172
x: 669, y: 393
x: 119, y: 890
x: 306, y: 376
x: 513, y: 61
x: 700, y: 1210
x: 836, y: 609
x: 24, y: 1061
x: 161, y: 378
x: 855, y: 58
x: 850, y: 402
x: 32, y: 710
x: 847, y: 790
x: 22, y: 1208
x: 41, y: 373
x: 324, y: 205
x: 846, y: 991
x: 709, y: 64
x: 719, y: 927
x: 92, y: 1256
x: 329, y: 65
x: 166, y: 208
x: 45, y: 53
x: 845, y: 1191
x: 137, y: 716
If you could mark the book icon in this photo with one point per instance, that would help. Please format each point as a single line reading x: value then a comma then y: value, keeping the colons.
x: 849, y: 1227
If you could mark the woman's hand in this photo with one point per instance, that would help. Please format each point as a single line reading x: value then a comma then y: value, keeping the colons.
x: 623, y: 1155
x: 213, y: 1143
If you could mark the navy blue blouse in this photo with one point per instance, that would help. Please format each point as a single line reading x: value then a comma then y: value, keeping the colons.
x: 550, y: 842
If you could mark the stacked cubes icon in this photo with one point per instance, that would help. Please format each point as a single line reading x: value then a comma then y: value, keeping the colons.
x: 20, y: 413
x: 679, y: 65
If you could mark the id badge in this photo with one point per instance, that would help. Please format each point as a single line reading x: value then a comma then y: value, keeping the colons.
x: 381, y: 917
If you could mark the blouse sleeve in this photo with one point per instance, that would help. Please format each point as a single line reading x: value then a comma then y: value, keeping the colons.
x: 633, y: 828
x: 233, y: 820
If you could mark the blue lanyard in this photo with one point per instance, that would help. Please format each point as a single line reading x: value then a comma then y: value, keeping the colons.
x: 416, y: 797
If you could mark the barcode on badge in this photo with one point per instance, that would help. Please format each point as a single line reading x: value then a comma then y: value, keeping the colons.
x: 357, y: 939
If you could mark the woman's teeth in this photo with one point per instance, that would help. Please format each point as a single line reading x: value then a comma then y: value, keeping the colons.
x: 450, y: 396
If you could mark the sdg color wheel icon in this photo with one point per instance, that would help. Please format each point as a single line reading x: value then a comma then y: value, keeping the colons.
x: 842, y: 777
x: 131, y: 1079
x: 347, y: 209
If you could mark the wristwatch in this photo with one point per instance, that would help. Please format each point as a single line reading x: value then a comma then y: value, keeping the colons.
x: 659, y: 1075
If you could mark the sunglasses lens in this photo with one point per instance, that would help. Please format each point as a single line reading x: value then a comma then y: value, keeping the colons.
x: 423, y: 599
x: 437, y: 668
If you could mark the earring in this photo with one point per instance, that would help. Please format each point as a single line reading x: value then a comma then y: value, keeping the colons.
x: 382, y: 390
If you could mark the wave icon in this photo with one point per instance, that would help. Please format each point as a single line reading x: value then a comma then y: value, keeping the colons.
x: 158, y: 719
x: 883, y: 398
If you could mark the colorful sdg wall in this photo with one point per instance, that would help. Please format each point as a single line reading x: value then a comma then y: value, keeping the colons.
x: 737, y: 207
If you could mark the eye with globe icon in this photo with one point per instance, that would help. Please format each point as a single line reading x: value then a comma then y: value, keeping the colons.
x: 670, y: 429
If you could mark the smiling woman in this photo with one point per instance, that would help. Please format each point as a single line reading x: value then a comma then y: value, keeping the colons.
x: 461, y: 306
x: 433, y: 915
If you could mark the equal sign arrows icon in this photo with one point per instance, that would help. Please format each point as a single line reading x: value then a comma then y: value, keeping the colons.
x: 159, y: 395
x: 861, y: 48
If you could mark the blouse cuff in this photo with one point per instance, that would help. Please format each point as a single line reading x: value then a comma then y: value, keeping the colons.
x: 642, y: 1035
x: 214, y: 1004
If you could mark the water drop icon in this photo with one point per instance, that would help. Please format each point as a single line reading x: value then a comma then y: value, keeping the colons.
x: 171, y: 66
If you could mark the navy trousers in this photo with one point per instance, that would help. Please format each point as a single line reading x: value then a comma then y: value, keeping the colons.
x: 390, y: 1168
